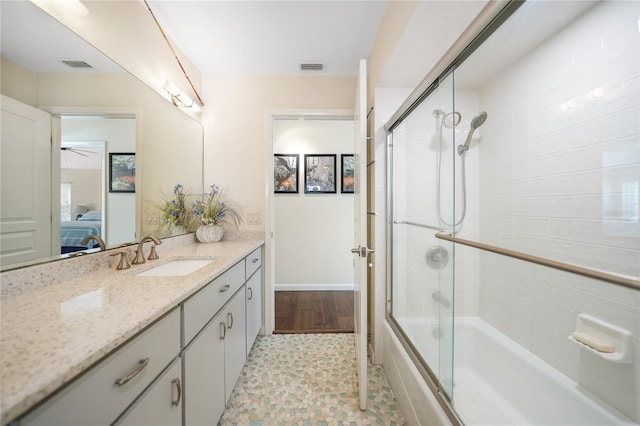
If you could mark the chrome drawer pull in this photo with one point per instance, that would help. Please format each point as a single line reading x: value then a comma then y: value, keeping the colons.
x: 230, y: 317
x: 250, y: 293
x: 142, y: 364
x: 176, y: 382
x: 225, y: 288
x: 255, y: 260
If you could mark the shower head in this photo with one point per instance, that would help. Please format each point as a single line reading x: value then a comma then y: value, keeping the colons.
x: 479, y: 120
x: 449, y: 120
x: 476, y: 122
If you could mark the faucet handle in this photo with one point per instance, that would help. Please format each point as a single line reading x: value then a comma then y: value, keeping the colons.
x: 124, y: 260
x: 154, y: 254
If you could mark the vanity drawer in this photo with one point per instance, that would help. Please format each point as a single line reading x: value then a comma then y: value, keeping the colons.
x: 207, y: 302
x: 253, y: 262
x: 96, y: 398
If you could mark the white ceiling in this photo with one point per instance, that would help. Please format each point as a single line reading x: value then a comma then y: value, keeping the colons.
x: 272, y: 37
x: 33, y: 39
x: 269, y: 37
x: 256, y: 37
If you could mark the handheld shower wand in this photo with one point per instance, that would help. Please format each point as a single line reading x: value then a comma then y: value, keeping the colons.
x: 476, y: 122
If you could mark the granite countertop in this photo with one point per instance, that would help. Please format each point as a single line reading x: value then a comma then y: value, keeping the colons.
x: 52, y: 334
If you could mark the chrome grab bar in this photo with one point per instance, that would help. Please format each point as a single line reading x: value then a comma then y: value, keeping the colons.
x: 620, y: 280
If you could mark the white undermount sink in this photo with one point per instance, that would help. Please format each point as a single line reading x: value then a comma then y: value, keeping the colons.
x: 176, y: 268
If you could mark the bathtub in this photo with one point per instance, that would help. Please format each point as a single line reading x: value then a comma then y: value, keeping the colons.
x: 498, y: 382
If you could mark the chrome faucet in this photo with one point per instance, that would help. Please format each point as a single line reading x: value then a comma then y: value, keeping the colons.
x: 96, y: 238
x: 139, y: 251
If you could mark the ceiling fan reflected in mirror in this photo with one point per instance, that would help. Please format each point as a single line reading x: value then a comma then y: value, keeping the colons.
x: 83, y: 152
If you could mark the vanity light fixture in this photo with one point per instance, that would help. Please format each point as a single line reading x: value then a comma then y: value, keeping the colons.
x: 178, y: 97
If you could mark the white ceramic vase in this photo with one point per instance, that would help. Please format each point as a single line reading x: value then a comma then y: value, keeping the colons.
x: 209, y: 233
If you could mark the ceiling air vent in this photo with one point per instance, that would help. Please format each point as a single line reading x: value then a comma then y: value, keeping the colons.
x: 77, y: 64
x: 312, y: 67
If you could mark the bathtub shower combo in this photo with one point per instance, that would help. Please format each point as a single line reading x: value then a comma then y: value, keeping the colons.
x: 514, y: 228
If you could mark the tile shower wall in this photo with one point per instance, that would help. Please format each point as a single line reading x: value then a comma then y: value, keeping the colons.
x: 560, y: 178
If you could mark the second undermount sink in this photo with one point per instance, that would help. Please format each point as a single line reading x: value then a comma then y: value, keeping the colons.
x: 176, y: 268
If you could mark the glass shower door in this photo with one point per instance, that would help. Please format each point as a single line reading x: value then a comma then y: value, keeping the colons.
x: 422, y: 205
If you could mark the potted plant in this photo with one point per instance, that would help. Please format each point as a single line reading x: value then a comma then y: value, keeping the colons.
x: 174, y: 211
x: 212, y: 210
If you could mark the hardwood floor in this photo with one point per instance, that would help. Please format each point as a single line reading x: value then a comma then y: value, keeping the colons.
x: 314, y: 312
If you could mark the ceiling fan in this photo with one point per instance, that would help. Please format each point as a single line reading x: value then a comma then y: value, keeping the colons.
x: 82, y: 152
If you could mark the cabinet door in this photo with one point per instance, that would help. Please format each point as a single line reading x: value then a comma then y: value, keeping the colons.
x: 235, y: 342
x: 254, y: 308
x: 161, y: 404
x: 204, y: 375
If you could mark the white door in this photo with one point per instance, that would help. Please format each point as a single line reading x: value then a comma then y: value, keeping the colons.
x: 25, y: 206
x: 361, y: 249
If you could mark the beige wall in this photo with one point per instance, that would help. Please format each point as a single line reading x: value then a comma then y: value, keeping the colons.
x: 236, y: 119
x: 393, y: 25
x: 18, y: 82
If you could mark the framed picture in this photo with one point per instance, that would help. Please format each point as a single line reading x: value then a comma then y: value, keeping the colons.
x: 347, y: 173
x: 319, y: 173
x: 285, y: 173
x: 122, y: 172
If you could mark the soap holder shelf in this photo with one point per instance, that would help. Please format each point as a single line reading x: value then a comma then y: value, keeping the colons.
x: 603, y: 339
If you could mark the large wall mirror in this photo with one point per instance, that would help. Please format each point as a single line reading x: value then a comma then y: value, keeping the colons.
x: 112, y: 146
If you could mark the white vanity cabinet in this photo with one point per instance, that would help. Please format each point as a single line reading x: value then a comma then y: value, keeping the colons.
x: 180, y: 370
x: 213, y: 360
x: 101, y: 394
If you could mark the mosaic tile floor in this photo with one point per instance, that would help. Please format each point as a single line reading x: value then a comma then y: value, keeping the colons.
x: 308, y: 379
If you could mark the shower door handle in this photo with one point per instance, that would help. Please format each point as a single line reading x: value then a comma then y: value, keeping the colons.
x: 362, y: 251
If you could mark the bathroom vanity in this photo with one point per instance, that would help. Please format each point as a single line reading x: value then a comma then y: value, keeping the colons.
x: 153, y: 344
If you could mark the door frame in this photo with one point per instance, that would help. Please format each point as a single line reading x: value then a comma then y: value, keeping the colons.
x: 102, y: 112
x: 269, y: 256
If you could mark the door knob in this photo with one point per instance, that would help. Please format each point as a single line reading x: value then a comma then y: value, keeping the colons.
x: 362, y: 251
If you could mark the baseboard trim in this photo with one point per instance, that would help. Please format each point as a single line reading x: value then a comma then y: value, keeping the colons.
x: 314, y: 287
